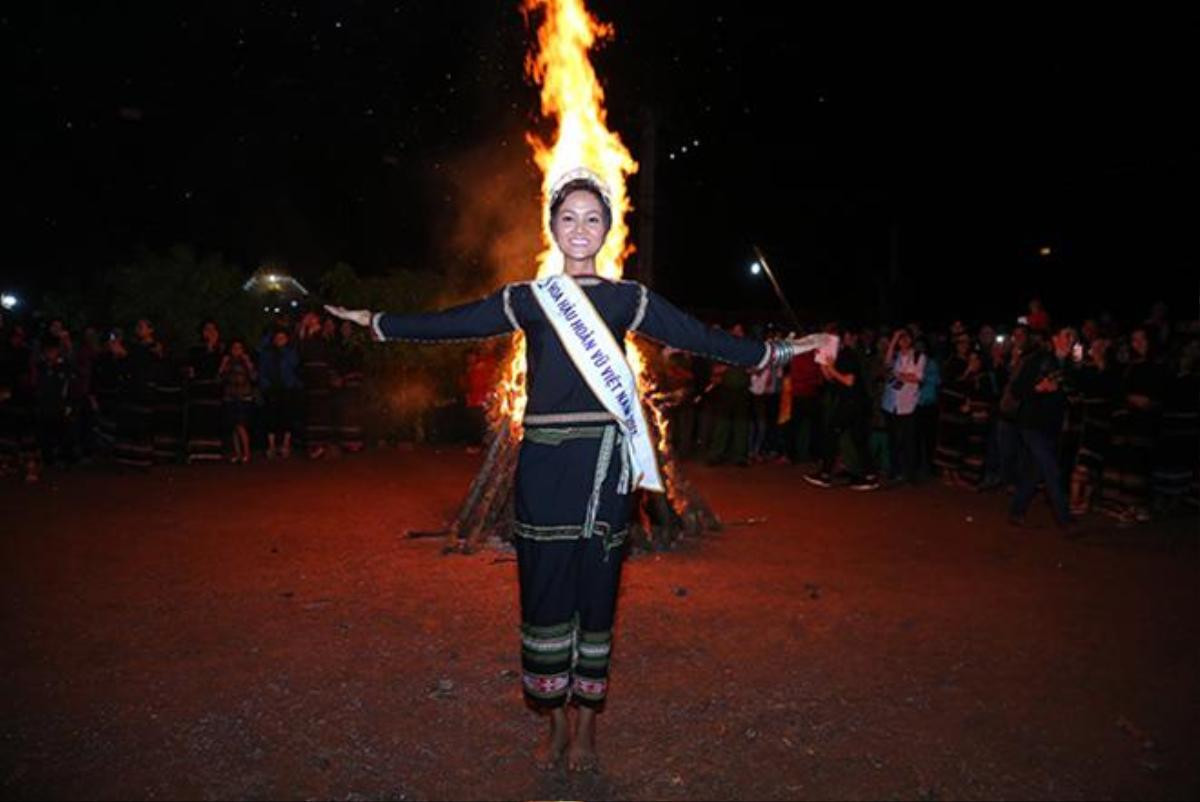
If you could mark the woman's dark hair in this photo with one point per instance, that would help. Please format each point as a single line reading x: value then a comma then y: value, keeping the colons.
x: 583, y: 184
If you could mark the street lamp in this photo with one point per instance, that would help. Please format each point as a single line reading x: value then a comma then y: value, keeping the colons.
x: 8, y: 301
x: 274, y: 282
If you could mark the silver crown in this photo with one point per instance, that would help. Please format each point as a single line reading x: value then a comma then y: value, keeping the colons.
x: 582, y: 174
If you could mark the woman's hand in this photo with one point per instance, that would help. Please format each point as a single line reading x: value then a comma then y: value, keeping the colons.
x: 360, y: 316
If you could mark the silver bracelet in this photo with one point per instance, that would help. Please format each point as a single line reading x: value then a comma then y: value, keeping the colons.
x: 783, y: 352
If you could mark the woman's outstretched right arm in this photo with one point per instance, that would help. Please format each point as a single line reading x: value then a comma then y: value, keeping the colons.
x: 489, y: 317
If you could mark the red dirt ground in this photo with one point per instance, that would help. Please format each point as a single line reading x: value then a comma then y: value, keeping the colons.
x: 216, y: 632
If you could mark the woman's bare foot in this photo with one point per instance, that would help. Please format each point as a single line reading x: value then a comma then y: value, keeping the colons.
x: 547, y: 756
x: 581, y: 757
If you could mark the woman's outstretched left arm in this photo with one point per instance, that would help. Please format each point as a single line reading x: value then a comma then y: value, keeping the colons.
x: 659, y: 319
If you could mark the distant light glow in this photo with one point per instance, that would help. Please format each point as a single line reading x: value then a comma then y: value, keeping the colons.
x: 8, y: 300
x: 1045, y: 250
x: 755, y: 269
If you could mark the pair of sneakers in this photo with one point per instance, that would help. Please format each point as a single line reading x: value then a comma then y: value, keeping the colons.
x: 822, y: 479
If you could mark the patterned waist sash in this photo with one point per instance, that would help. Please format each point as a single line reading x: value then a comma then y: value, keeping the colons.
x: 610, y: 440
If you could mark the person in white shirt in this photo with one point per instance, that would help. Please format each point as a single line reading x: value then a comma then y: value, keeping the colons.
x: 764, y: 399
x: 901, y: 393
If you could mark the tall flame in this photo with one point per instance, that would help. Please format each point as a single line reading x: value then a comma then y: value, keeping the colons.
x: 572, y: 95
x: 573, y: 98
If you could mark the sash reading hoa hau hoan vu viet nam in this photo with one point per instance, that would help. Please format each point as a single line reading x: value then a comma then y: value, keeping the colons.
x: 599, y: 359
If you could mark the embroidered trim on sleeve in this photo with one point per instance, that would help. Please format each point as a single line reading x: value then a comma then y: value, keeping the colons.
x: 767, y: 358
x: 643, y: 299
x: 508, y: 310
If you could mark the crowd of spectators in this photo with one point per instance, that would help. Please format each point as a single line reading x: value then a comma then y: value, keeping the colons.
x: 1103, y: 419
x: 67, y: 397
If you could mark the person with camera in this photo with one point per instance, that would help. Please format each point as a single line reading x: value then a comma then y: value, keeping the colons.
x: 906, y: 369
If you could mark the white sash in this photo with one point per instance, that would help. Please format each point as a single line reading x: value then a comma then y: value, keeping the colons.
x: 601, y: 362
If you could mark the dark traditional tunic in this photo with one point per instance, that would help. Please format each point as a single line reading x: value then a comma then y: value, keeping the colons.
x: 135, y: 418
x: 108, y: 379
x: 569, y: 469
x: 1097, y: 390
x: 1127, y: 472
x: 205, y: 432
x: 1177, y: 450
x: 348, y: 404
x: 316, y: 374
x: 18, y: 443
x: 953, y: 427
x: 169, y: 410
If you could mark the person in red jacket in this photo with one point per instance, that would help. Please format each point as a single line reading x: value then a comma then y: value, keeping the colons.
x: 804, y: 427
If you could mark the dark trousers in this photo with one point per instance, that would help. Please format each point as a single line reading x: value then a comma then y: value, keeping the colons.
x: 568, y: 600
x: 1039, y: 460
x: 902, y: 435
x: 280, y: 409
x: 54, y: 436
x: 729, y: 437
x: 763, y: 434
x: 1000, y: 463
x: 683, y: 428
x: 927, y: 427
x: 805, y: 420
x: 857, y: 424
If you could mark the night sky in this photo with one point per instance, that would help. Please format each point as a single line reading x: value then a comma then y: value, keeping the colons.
x: 310, y: 133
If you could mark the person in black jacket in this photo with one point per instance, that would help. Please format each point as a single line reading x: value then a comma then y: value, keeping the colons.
x: 849, y: 413
x: 1040, y: 387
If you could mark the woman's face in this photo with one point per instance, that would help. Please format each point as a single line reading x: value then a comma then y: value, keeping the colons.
x: 578, y: 227
x: 280, y: 339
x: 211, y: 334
x: 236, y: 350
x: 904, y: 341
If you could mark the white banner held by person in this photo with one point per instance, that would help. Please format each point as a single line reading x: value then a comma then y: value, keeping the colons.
x: 599, y: 359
